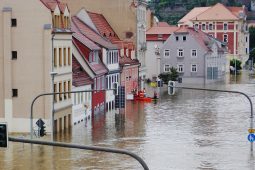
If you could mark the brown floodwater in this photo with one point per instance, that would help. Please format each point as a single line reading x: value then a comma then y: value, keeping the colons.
x: 190, y: 130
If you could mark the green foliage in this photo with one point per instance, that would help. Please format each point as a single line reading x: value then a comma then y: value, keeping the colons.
x: 172, y: 11
x: 236, y: 62
x: 171, y: 75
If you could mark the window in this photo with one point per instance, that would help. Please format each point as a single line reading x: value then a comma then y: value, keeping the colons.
x: 60, y: 56
x: 14, y: 22
x: 246, y: 50
x: 166, y: 68
x: 184, y: 38
x: 160, y: 36
x: 203, y: 27
x: 55, y: 57
x: 225, y: 26
x: 246, y: 39
x: 225, y: 37
x: 180, y: 68
x: 60, y: 91
x: 14, y: 55
x: 64, y: 56
x: 177, y: 38
x: 55, y: 90
x: 180, y: 53
x: 64, y: 90
x: 69, y: 88
x: 69, y: 56
x: 210, y: 26
x: 196, y: 26
x: 193, y: 53
x: 167, y: 53
x: 14, y: 92
x: 193, y: 68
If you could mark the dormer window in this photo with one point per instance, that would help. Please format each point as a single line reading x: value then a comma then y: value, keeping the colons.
x: 160, y: 36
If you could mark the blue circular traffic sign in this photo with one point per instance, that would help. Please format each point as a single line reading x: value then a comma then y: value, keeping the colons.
x: 251, y: 137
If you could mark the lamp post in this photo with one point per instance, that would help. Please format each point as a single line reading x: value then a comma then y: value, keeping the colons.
x: 53, y: 74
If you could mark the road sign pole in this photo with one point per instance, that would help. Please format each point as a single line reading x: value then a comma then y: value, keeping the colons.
x: 224, y: 91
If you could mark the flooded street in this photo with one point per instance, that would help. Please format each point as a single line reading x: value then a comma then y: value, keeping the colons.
x: 190, y: 130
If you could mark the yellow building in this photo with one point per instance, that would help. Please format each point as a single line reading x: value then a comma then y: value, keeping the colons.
x: 35, y: 41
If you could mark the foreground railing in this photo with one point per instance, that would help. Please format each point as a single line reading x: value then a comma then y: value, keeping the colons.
x: 84, y: 147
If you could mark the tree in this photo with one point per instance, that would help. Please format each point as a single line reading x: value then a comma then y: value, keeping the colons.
x: 171, y: 75
x: 252, y: 43
x: 237, y: 63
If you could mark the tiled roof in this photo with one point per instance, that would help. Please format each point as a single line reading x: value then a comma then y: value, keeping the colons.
x: 192, y: 14
x: 91, y: 34
x: 163, y: 24
x: 107, y: 31
x: 84, y: 40
x: 80, y: 76
x: 98, y: 68
x: 103, y: 26
x: 217, y: 12
x: 128, y: 60
x: 51, y: 4
x: 236, y: 10
x: 161, y: 30
x: 204, y: 39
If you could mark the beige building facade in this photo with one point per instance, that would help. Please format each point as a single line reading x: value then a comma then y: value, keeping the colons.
x: 129, y: 19
x: 27, y: 59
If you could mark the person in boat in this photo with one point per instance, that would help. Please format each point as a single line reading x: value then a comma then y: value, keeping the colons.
x: 144, y: 92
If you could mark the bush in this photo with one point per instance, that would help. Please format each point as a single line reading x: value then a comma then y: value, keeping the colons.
x: 237, y: 63
x: 171, y: 75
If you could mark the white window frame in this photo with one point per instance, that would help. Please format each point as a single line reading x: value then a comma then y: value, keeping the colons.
x: 191, y: 68
x: 167, y: 51
x: 224, y: 37
x: 203, y: 26
x: 191, y: 53
x: 180, y: 52
x: 166, y: 69
x: 224, y: 26
x: 210, y: 28
x: 180, y: 67
x: 196, y: 26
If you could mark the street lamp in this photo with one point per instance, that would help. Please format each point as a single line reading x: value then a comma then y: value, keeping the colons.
x: 53, y: 74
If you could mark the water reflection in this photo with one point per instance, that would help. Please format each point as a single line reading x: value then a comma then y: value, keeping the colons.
x: 190, y: 130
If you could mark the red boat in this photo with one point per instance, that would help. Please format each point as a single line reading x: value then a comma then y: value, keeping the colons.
x: 141, y: 97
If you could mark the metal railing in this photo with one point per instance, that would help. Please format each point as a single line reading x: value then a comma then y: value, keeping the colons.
x: 224, y: 91
x: 83, y: 147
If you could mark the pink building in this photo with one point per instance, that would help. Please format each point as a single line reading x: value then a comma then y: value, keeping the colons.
x: 227, y: 24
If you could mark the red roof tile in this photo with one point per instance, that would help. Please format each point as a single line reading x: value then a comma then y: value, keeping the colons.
x: 84, y: 40
x: 162, y: 24
x: 80, y: 76
x: 161, y: 30
x: 91, y: 34
x: 98, y: 68
x: 128, y: 60
x: 103, y: 26
x: 51, y: 4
